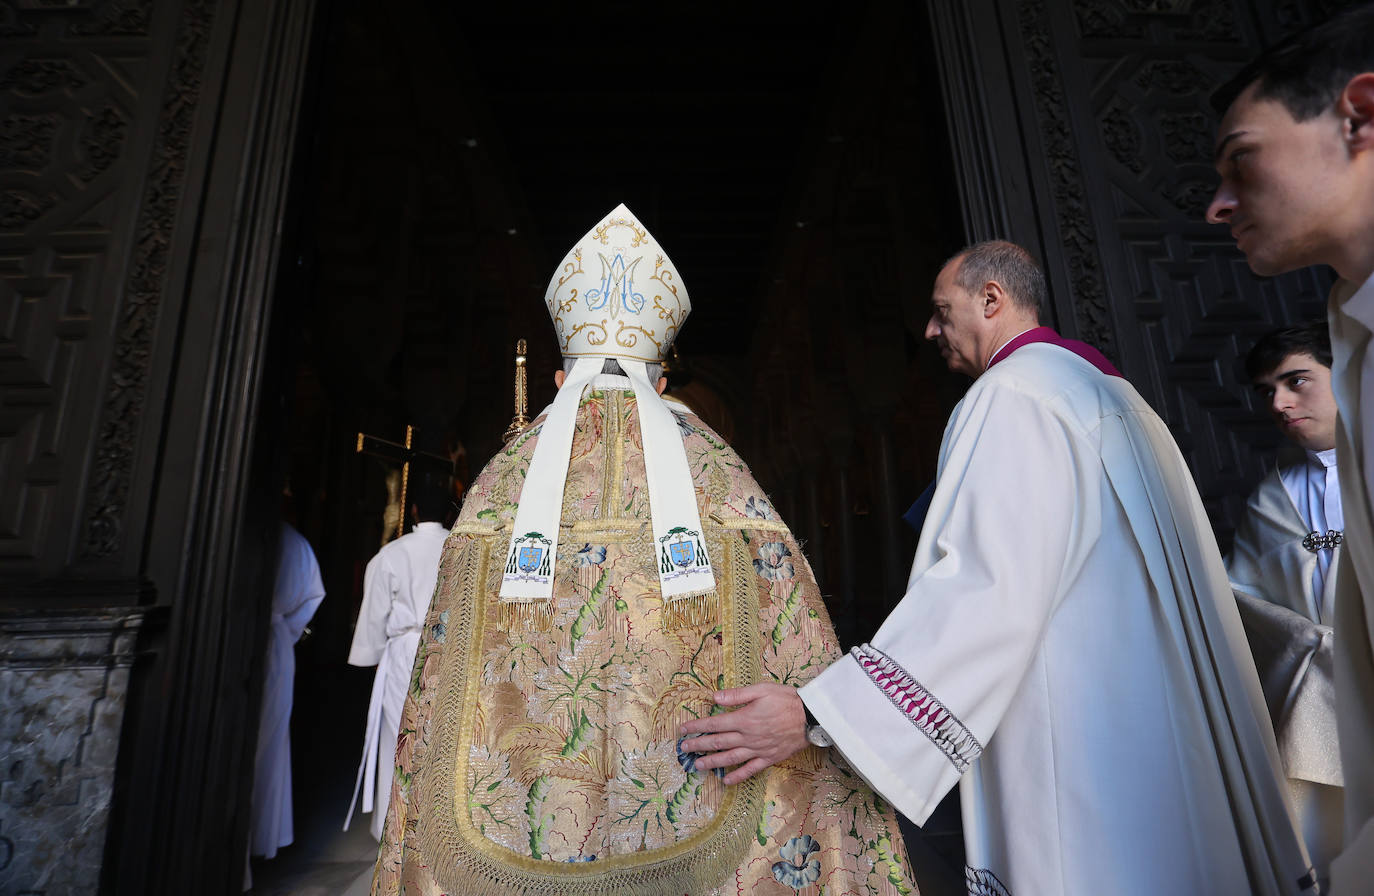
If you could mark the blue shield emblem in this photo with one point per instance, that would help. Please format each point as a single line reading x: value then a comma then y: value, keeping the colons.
x: 682, y: 552
x: 530, y: 557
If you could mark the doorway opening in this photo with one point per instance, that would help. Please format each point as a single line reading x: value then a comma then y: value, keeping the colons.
x: 795, y: 165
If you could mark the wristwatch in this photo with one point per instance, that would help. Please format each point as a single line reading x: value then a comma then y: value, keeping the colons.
x: 815, y: 734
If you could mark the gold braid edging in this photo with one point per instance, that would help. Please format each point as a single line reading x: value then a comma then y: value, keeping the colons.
x: 464, y: 861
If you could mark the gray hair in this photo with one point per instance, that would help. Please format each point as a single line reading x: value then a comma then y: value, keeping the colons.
x: 1009, y: 265
x: 612, y: 366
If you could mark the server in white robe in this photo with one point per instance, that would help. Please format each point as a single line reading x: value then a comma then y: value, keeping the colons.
x: 1295, y: 151
x: 295, y: 596
x: 1068, y: 650
x: 1282, y: 568
x: 397, y: 588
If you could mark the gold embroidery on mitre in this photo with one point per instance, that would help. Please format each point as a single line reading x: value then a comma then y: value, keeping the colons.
x: 620, y: 310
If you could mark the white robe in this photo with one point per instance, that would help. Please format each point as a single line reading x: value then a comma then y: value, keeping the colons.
x: 1275, y: 579
x: 1069, y: 650
x: 1351, y: 315
x: 297, y: 592
x: 397, y: 588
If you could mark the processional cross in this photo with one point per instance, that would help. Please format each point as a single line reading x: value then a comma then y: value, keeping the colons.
x: 405, y: 455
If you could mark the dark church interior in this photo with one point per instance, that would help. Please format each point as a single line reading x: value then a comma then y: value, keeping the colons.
x: 793, y: 167
x: 238, y: 236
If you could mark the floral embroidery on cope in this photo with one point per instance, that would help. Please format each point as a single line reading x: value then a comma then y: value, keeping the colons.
x: 773, y: 564
x: 758, y: 509
x: 982, y: 882
x: 798, y: 869
x: 929, y: 715
x: 589, y: 555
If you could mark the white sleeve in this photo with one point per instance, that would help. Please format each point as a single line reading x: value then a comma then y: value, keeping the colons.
x: 369, y: 635
x: 1016, y: 510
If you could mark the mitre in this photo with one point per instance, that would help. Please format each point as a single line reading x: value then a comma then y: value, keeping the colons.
x: 617, y: 294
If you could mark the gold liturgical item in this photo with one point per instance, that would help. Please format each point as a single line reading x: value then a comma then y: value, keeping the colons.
x: 405, y: 455
x: 521, y: 420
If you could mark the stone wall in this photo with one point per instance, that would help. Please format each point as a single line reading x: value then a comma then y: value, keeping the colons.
x: 63, y: 683
x: 145, y: 154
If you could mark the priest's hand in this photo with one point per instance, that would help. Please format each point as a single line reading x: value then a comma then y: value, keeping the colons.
x: 768, y: 727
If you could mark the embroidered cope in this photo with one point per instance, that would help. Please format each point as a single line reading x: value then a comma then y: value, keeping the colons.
x: 538, y: 751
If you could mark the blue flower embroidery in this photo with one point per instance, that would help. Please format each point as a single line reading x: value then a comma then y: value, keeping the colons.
x: 439, y: 630
x: 688, y: 759
x: 773, y: 564
x: 797, y: 869
x: 683, y: 426
x: 581, y: 859
x: 590, y: 555
x: 757, y: 509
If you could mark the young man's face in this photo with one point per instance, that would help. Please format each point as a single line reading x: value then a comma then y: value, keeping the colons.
x: 1280, y: 183
x: 1298, y: 392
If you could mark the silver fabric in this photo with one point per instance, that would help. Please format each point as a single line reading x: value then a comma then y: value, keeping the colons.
x: 1293, y: 657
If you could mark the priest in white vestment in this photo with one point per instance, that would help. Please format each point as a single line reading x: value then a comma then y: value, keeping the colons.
x: 1295, y: 151
x: 1068, y: 650
x: 1283, y: 570
x: 397, y: 588
x: 295, y: 596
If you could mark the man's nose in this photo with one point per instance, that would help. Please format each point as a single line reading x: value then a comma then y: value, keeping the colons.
x: 932, y: 329
x: 1282, y: 401
x: 1223, y: 204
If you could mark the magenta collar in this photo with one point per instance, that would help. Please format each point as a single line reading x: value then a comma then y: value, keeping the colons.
x: 1046, y: 334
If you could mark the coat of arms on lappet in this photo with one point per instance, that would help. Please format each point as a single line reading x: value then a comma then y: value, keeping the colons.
x: 529, y: 558
x: 681, y: 552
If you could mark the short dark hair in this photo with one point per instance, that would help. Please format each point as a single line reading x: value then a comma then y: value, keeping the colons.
x: 1312, y: 338
x: 432, y: 495
x: 1008, y: 264
x: 1307, y: 71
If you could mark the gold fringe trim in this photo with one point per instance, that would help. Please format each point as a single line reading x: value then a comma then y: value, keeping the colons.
x: 478, y: 529
x: 709, y: 867
x: 749, y: 524
x: 608, y: 530
x: 526, y: 616
x: 691, y: 610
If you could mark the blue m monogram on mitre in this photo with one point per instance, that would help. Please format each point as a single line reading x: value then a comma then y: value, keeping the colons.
x: 617, y: 287
x: 681, y: 553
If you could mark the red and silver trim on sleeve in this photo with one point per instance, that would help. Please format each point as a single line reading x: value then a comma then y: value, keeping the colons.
x: 929, y: 715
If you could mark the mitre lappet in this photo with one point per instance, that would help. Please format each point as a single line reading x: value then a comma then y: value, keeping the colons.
x: 616, y: 295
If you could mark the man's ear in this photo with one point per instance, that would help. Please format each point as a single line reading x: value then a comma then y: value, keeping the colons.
x: 1356, y: 106
x: 558, y: 378
x: 661, y: 384
x: 994, y: 298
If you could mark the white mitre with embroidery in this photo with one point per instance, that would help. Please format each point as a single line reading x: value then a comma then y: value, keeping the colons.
x: 616, y: 295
